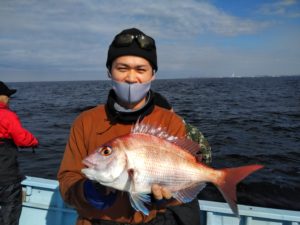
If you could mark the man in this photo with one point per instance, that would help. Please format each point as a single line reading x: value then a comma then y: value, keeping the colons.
x: 12, y: 134
x: 131, y: 64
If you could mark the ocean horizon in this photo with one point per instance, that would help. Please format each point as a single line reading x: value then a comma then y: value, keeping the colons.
x: 159, y: 78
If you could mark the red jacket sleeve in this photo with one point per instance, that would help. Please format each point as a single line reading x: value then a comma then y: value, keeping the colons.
x: 20, y: 135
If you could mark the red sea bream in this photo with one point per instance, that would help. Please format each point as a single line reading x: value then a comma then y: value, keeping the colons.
x: 147, y: 156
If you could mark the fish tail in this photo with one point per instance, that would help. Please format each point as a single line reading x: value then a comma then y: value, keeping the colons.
x: 227, y: 185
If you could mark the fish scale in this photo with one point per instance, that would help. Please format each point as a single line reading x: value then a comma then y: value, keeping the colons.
x: 161, y: 174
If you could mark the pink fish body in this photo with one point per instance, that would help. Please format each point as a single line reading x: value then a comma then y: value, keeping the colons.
x: 148, y: 156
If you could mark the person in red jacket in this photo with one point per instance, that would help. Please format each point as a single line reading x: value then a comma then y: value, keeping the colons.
x: 12, y: 135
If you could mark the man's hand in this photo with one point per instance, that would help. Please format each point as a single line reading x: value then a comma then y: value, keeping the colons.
x: 160, y: 192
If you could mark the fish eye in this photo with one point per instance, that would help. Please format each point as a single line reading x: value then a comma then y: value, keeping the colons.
x: 105, y: 151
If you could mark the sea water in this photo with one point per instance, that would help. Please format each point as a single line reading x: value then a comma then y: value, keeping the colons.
x: 245, y: 120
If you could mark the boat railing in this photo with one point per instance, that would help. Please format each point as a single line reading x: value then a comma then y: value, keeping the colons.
x: 43, y: 205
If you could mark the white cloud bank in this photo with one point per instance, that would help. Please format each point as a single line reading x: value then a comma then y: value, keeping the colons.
x: 72, y: 36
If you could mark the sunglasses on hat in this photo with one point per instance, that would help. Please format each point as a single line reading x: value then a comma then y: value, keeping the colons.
x: 124, y: 40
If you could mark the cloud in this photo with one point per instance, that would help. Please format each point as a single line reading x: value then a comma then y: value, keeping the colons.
x: 287, y: 8
x: 73, y: 35
x: 185, y: 17
x: 188, y: 17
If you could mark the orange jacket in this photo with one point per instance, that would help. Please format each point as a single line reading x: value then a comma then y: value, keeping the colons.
x: 90, y: 130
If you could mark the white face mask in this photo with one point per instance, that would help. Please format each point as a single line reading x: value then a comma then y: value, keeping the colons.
x: 131, y: 93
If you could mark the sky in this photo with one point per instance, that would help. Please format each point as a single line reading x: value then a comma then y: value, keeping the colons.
x: 55, y: 40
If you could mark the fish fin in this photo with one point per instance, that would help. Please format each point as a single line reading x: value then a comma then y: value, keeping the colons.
x: 188, y: 194
x: 137, y: 201
x: 185, y: 144
x: 158, y: 131
x: 190, y: 147
x: 232, y: 176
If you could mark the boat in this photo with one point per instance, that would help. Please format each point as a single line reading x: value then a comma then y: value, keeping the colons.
x: 43, y: 205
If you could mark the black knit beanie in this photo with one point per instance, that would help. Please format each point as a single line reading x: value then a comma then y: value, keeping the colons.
x: 133, y: 49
